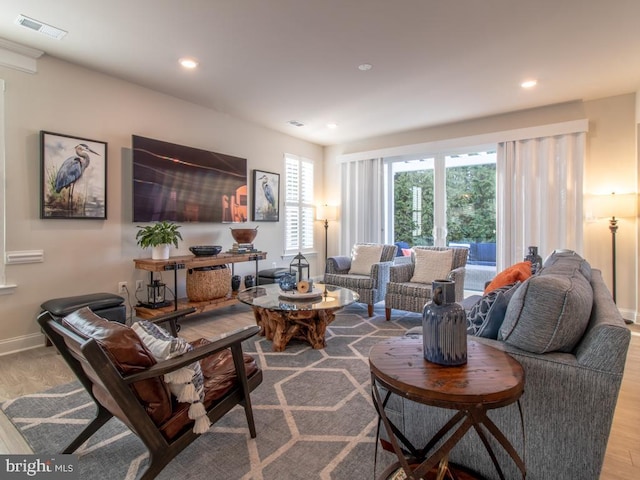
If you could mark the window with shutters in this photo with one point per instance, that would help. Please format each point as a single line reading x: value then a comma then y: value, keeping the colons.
x: 298, y: 205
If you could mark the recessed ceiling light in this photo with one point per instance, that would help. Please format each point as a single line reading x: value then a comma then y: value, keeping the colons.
x: 364, y: 67
x: 188, y: 62
x: 332, y: 125
x: 529, y: 83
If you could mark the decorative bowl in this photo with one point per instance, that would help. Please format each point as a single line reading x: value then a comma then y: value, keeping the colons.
x: 205, y: 250
x: 244, y: 235
x: 287, y: 282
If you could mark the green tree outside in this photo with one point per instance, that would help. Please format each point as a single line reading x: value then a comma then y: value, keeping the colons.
x: 471, y: 207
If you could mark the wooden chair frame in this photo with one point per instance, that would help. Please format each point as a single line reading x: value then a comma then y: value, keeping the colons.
x: 79, y: 352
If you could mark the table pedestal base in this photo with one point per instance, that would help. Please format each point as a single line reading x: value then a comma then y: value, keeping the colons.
x: 451, y: 472
x: 280, y: 326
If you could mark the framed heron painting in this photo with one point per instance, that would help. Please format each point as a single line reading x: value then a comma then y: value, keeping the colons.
x: 266, y: 196
x: 73, y: 177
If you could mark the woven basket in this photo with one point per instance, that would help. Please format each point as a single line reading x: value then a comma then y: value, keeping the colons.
x: 207, y: 283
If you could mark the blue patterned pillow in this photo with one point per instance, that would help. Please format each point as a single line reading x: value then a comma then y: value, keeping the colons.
x: 485, y: 317
x: 186, y: 383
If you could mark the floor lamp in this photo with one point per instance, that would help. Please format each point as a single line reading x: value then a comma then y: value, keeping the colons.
x: 328, y: 213
x: 613, y: 207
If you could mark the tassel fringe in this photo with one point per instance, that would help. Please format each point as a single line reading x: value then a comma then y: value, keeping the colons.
x: 183, y: 375
x: 201, y: 425
x: 188, y: 394
x: 196, y: 410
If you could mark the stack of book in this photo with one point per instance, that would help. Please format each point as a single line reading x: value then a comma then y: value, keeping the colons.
x: 243, y: 248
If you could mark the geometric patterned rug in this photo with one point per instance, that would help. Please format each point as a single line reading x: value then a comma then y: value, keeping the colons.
x: 313, y: 412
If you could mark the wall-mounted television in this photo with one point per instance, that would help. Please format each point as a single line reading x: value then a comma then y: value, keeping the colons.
x: 186, y: 184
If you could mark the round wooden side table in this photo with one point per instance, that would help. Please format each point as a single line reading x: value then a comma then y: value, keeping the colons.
x: 490, y: 379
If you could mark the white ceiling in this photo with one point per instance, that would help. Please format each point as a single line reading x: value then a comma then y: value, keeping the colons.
x: 272, y: 61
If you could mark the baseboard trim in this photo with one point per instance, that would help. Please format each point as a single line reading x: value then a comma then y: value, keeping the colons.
x: 18, y: 344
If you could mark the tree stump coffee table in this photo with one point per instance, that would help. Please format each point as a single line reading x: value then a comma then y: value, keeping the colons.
x: 282, y: 316
x: 490, y: 379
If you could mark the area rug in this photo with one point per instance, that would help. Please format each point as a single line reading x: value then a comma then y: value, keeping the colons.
x: 313, y: 412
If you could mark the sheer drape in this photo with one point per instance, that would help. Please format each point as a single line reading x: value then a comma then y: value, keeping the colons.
x: 362, y: 212
x: 539, y: 195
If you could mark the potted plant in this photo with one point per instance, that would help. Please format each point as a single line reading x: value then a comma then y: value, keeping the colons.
x: 159, y: 236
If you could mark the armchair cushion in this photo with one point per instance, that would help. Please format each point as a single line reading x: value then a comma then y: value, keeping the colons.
x: 363, y: 257
x: 431, y: 265
x: 219, y: 377
x: 128, y: 354
x: 186, y: 383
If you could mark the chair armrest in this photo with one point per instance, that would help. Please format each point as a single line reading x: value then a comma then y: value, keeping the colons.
x: 457, y: 275
x: 401, y: 273
x: 338, y: 264
x: 222, y: 342
x: 172, y: 318
x: 380, y: 273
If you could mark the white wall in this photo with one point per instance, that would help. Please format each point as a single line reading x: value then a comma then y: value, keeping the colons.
x: 87, y: 256
x: 611, y: 165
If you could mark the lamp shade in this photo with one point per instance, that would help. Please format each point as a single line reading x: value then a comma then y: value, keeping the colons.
x: 614, y: 205
x: 327, y: 212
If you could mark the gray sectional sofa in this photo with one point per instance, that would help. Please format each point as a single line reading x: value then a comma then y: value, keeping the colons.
x: 564, y: 328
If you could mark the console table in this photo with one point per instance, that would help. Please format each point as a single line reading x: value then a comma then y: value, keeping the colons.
x: 490, y: 379
x: 191, y: 261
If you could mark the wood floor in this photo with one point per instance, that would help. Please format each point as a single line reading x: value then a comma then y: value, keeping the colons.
x: 41, y: 368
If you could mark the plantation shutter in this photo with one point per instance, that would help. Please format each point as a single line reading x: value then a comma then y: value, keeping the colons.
x: 299, y: 204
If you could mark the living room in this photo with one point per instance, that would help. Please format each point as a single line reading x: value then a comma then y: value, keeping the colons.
x: 83, y: 256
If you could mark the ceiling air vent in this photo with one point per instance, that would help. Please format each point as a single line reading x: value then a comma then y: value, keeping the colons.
x: 40, y: 27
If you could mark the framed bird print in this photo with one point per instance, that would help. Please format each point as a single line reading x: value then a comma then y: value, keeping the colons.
x: 73, y: 177
x: 266, y: 196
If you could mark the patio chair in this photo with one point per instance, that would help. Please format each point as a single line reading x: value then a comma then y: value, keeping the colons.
x: 409, y: 289
x: 366, y: 271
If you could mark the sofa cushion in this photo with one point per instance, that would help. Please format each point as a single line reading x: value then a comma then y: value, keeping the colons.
x: 431, y: 265
x: 565, y: 262
x: 363, y: 257
x: 128, y: 354
x: 518, y: 272
x: 486, y: 316
x: 548, y: 313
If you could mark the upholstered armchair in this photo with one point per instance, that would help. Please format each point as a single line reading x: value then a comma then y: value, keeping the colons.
x: 409, y: 286
x: 366, y: 272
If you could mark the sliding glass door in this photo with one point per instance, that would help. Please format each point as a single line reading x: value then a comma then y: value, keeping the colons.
x: 448, y: 200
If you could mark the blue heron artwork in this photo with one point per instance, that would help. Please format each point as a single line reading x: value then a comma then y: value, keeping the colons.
x: 73, y: 177
x: 266, y: 193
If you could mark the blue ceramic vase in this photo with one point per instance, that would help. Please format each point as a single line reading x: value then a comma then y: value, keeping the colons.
x: 287, y: 282
x: 444, y: 326
x: 535, y: 259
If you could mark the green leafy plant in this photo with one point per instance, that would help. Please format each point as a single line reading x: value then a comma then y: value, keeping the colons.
x: 158, y: 234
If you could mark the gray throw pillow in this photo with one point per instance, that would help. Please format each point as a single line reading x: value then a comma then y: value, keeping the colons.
x: 548, y: 313
x: 564, y: 262
x: 486, y: 316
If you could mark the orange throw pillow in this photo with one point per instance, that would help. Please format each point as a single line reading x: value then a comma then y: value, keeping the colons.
x: 515, y: 273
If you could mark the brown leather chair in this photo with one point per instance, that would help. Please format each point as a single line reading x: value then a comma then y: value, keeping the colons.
x: 125, y: 381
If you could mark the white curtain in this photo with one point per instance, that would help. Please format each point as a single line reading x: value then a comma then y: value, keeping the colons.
x: 539, y: 195
x: 363, y: 199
